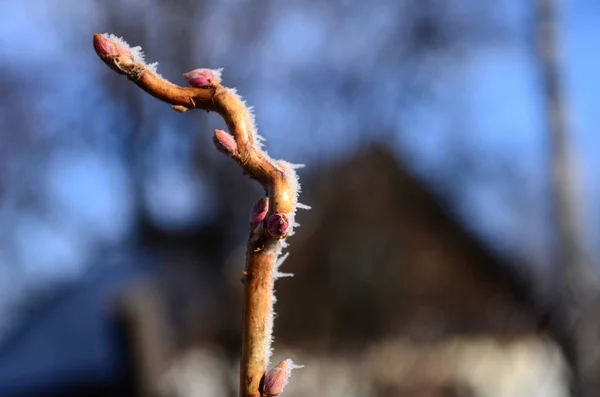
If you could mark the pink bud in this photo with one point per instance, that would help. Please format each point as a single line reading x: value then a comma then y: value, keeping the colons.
x: 258, y: 212
x: 203, y: 77
x: 278, y: 377
x: 278, y: 225
x: 225, y: 143
x: 110, y: 50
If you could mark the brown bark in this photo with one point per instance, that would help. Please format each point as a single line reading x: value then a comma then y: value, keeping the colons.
x: 277, y: 178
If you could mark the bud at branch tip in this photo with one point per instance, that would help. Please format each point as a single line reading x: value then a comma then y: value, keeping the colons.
x: 112, y: 51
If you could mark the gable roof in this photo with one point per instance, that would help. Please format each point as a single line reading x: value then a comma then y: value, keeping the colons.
x: 379, y: 254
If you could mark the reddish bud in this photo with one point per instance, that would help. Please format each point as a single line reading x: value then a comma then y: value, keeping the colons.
x: 278, y: 225
x: 203, y: 77
x: 113, y: 51
x: 277, y: 378
x: 258, y: 212
x: 225, y: 143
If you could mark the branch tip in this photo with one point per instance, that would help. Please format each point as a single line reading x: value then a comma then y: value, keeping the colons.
x: 113, y: 52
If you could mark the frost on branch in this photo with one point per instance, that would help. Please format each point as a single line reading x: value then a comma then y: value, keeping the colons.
x: 272, y: 218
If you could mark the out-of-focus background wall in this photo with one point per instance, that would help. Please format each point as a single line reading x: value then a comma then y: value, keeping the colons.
x: 429, y: 263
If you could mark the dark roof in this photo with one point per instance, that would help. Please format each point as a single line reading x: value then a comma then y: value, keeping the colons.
x: 379, y: 252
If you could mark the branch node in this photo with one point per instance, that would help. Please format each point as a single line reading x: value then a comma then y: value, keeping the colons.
x: 278, y: 377
x: 278, y: 225
x: 225, y: 143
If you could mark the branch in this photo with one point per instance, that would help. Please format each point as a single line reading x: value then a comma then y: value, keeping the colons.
x: 271, y: 218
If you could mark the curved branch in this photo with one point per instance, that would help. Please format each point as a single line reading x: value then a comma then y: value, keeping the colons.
x: 272, y: 218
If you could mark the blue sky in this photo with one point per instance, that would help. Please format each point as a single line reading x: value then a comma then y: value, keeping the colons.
x: 498, y: 113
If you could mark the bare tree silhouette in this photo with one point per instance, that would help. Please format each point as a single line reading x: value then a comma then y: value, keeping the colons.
x: 574, y: 313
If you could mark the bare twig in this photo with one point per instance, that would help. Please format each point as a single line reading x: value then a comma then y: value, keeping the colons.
x: 272, y: 217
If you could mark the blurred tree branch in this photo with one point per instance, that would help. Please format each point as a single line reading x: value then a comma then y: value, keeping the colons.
x: 575, y: 318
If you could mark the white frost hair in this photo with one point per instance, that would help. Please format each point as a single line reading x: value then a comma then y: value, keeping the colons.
x: 251, y: 127
x: 217, y: 72
x: 279, y: 262
x: 136, y: 52
x: 290, y: 171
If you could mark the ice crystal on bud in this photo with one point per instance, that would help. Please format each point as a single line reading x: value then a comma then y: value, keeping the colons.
x: 203, y: 77
x: 278, y: 377
x: 258, y: 212
x: 108, y: 46
x: 110, y: 49
x: 225, y: 143
x: 278, y: 225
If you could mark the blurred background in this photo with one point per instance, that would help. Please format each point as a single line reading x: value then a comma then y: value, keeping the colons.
x: 451, y: 155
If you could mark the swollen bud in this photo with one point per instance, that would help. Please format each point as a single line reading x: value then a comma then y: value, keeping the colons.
x: 278, y: 225
x: 225, y: 143
x: 203, y: 77
x: 277, y: 378
x: 258, y: 212
x: 113, y: 51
